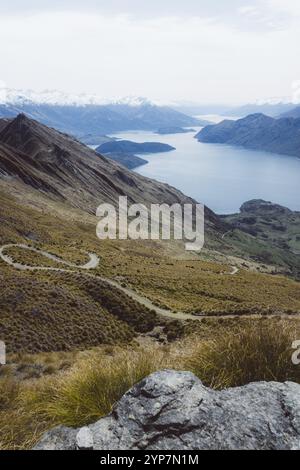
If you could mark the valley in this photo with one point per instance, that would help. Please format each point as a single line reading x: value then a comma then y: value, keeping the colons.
x: 149, y: 229
x: 67, y: 297
x: 156, y: 280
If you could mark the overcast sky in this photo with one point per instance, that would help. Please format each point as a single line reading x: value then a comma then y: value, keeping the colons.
x: 209, y: 51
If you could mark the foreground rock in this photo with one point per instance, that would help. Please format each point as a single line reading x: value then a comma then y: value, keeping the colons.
x: 173, y: 410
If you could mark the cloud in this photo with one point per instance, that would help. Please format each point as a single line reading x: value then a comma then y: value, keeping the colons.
x: 265, y: 14
x: 288, y: 7
x: 211, y: 57
x: 3, y: 92
x: 296, y: 92
x: 155, y: 8
x: 250, y: 11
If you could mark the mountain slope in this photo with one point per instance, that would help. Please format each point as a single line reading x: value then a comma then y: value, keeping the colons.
x: 257, y: 132
x: 3, y: 123
x: 267, y: 221
x: 66, y: 170
x: 129, y: 160
x: 274, y: 230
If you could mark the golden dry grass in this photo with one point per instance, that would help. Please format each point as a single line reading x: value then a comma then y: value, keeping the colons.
x: 221, y: 356
x: 258, y: 351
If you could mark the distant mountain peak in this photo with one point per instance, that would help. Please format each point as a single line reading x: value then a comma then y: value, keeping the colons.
x: 80, y: 115
x: 257, y: 117
x: 133, y: 101
x: 12, y: 96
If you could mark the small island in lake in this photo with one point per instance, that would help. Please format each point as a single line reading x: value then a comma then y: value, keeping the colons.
x: 174, y: 130
x: 126, y: 146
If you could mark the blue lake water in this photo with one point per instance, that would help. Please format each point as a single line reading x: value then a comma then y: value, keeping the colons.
x: 220, y: 176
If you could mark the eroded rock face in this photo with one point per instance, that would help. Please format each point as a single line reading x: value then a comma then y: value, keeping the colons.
x: 173, y: 410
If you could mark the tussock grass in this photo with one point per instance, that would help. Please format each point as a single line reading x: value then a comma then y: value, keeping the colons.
x: 9, y: 390
x: 259, y: 351
x: 221, y: 356
x: 73, y: 398
x: 91, y: 388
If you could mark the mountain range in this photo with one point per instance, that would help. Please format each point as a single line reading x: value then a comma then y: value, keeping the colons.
x: 51, y: 171
x: 90, y: 118
x: 69, y: 331
x: 63, y: 168
x: 66, y: 171
x: 257, y: 132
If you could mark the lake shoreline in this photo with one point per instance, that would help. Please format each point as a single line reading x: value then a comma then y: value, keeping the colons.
x: 220, y: 176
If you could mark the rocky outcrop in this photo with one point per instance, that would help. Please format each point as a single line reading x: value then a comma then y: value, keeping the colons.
x: 173, y: 410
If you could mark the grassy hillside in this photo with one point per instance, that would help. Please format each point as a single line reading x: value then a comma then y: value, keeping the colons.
x: 86, y: 335
x: 55, y: 311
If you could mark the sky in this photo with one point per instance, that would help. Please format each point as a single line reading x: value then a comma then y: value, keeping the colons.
x: 216, y: 51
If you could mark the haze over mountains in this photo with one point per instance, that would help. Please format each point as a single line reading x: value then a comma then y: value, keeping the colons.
x: 273, y: 107
x: 293, y: 113
x: 88, y: 117
x: 256, y: 132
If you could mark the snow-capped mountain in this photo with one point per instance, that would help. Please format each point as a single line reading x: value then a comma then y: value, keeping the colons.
x: 58, y: 98
x: 89, y: 116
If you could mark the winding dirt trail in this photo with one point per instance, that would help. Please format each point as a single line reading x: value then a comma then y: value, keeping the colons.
x: 92, y: 264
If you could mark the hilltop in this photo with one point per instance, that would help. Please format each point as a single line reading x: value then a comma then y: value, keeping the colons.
x: 50, y: 186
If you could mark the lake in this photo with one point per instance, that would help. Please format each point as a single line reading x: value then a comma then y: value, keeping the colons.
x: 221, y: 176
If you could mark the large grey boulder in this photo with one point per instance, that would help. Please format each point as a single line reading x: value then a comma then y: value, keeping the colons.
x: 173, y: 410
